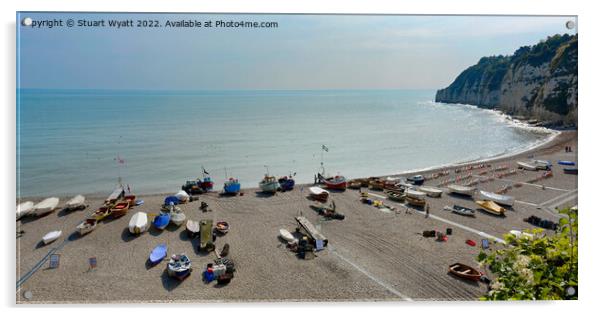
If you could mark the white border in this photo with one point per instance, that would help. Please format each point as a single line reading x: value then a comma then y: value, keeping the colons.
x: 590, y: 114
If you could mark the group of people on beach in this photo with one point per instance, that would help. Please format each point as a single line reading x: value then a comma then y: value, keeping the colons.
x: 568, y: 149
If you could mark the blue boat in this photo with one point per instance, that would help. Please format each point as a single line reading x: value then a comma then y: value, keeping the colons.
x: 566, y: 163
x: 231, y: 186
x: 161, y: 221
x: 570, y: 170
x: 158, y: 254
x: 171, y: 199
x: 286, y: 183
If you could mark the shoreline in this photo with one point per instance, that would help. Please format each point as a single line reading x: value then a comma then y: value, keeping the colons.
x: 548, y: 142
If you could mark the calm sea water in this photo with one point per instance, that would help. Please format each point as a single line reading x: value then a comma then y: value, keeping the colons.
x: 68, y: 141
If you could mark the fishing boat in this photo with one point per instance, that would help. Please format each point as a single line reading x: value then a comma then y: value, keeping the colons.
x: 566, y: 162
x: 24, y: 209
x: 87, y: 226
x: 117, y: 194
x: 526, y: 166
x: 354, y: 184
x: 51, y: 236
x: 269, y: 184
x: 138, y: 223
x: 318, y: 194
x: 76, y: 203
x: 376, y: 184
x: 461, y: 210
x: 179, y: 266
x: 120, y: 209
x: 101, y: 213
x: 465, y: 272
x: 231, y: 186
x: 460, y: 189
x: 286, y: 183
x: 222, y: 227
x: 395, y: 195
x: 176, y: 215
x: 417, y: 179
x: 192, y: 227
x: 570, y: 170
x: 46, y: 206
x: 491, y: 207
x: 415, y: 201
x: 335, y: 183
x: 158, y: 254
x: 206, y: 184
x: 162, y: 220
x: 286, y: 235
x: 497, y: 198
x: 430, y: 191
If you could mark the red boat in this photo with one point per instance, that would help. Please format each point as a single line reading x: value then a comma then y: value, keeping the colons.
x: 335, y: 183
x: 131, y: 199
x: 120, y: 209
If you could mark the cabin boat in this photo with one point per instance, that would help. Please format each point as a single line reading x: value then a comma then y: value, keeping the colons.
x: 461, y: 189
x: 87, y: 226
x: 526, y: 166
x: 231, y: 186
x: 431, y: 191
x: 269, y: 184
x: 497, y: 198
x: 491, y: 207
x: 318, y: 194
x: 335, y: 183
x: 206, y: 184
x: 46, y: 206
x: 465, y: 272
x: 286, y: 183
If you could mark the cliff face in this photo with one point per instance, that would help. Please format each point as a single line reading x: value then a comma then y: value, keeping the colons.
x: 537, y: 81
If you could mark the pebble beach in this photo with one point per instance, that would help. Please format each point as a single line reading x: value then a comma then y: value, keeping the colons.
x: 372, y: 255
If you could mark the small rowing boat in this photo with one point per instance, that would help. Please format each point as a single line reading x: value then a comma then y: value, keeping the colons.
x: 354, y: 184
x: 176, y: 215
x: 286, y: 235
x: 566, y: 162
x: 526, y: 166
x: 24, y: 209
x: 120, y: 209
x: 222, y: 227
x: 395, y: 195
x: 87, y: 226
x: 541, y: 164
x: 138, y: 223
x: 461, y: 210
x: 415, y: 194
x: 46, y: 206
x: 100, y: 213
x: 497, y: 198
x: 431, y: 191
x: 318, y: 194
x: 179, y: 266
x: 461, y: 189
x: 491, y: 207
x: 463, y: 271
x: 51, y: 236
x: 157, y: 254
x: 570, y: 170
x: 162, y: 220
x: 414, y: 201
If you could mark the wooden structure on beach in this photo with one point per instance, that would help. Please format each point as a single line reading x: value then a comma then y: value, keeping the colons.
x: 310, y: 230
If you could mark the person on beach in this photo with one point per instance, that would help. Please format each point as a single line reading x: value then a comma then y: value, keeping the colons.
x: 427, y: 211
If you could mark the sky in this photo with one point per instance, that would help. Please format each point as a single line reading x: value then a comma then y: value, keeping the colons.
x: 303, y: 52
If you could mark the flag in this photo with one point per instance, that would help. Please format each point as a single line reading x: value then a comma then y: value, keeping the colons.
x: 120, y: 160
x: 325, y: 148
x: 205, y: 171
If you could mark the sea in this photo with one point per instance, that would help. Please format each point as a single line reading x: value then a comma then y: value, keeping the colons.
x: 86, y: 141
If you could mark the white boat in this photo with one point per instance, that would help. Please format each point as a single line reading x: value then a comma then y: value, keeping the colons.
x: 177, y: 216
x: 52, y: 236
x: 24, y: 209
x: 139, y: 223
x: 87, y: 226
x: 286, y: 235
x: 77, y: 202
x: 460, y: 189
x: 46, y: 206
x: 431, y: 191
x: 497, y: 198
x: 182, y: 196
x: 526, y: 166
x: 415, y: 194
x: 541, y: 164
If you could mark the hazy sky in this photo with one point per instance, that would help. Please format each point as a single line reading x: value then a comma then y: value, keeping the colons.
x: 304, y: 52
